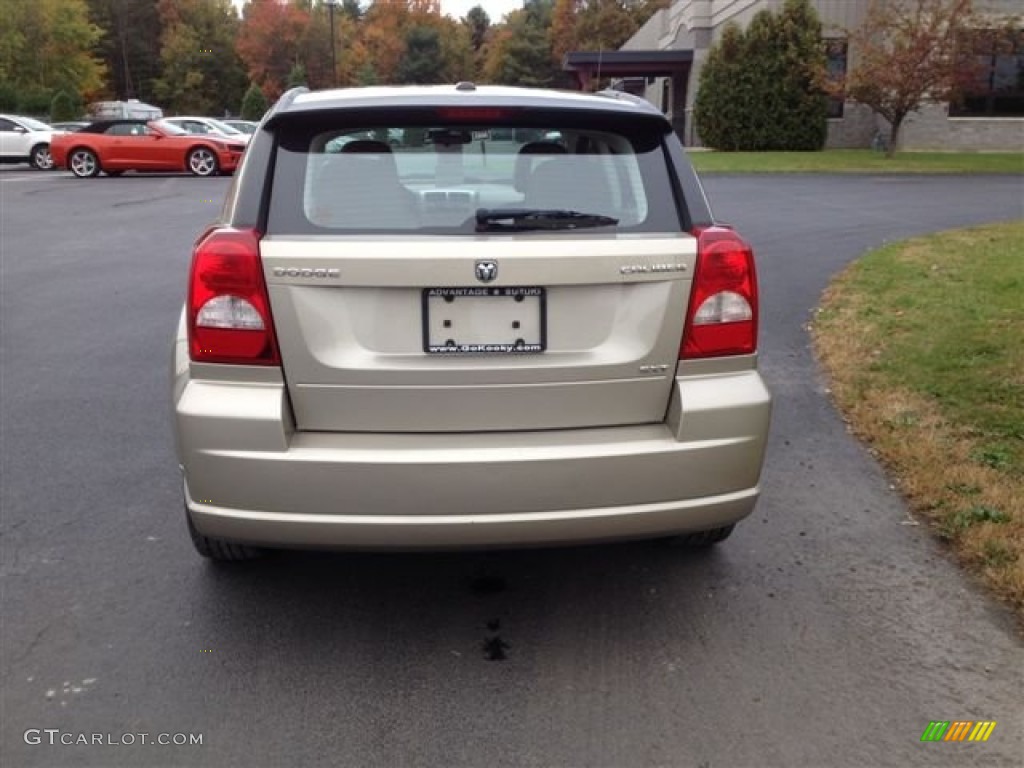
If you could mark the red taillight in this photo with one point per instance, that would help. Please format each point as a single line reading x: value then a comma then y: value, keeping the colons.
x: 229, y: 317
x: 722, y: 316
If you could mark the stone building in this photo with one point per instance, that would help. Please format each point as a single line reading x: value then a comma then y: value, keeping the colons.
x: 662, y: 62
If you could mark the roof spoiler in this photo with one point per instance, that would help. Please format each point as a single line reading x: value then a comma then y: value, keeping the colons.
x: 284, y: 102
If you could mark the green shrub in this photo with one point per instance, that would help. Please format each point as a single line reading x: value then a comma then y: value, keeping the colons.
x: 254, y: 103
x: 64, y: 107
x: 8, y: 97
x: 761, y: 89
x: 297, y: 76
x: 35, y: 102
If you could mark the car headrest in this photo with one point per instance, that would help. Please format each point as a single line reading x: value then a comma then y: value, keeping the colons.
x: 526, y: 162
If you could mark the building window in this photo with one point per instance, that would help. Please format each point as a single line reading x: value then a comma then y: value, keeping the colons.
x: 993, y: 76
x: 835, y: 56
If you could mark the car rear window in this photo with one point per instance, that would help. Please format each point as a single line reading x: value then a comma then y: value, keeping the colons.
x: 430, y: 177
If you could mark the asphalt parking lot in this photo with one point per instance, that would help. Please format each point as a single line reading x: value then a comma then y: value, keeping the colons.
x: 828, y: 631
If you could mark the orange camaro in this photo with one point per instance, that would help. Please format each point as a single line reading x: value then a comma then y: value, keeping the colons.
x: 116, y: 146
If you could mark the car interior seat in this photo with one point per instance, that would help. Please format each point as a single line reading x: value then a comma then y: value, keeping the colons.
x: 530, y: 157
x: 575, y: 182
x: 359, y: 188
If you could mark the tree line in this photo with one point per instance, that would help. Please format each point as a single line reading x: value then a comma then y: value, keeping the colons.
x: 202, y: 56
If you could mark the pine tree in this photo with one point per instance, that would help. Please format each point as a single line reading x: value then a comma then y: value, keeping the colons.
x: 254, y: 104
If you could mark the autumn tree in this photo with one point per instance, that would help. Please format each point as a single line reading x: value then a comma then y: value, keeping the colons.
x: 201, y: 72
x: 562, y: 35
x: 905, y: 56
x: 270, y: 41
x: 604, y: 25
x: 47, y: 45
x: 382, y: 33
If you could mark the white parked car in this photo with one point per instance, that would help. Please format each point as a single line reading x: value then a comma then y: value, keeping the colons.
x: 26, y: 140
x: 208, y: 125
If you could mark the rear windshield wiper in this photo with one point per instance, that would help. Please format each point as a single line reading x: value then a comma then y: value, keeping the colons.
x: 529, y: 219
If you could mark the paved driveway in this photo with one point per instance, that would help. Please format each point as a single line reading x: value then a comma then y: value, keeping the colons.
x: 827, y: 632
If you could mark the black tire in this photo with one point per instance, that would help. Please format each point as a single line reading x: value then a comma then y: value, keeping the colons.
x: 202, y: 161
x: 220, y: 549
x: 703, y: 539
x: 40, y: 158
x: 83, y: 163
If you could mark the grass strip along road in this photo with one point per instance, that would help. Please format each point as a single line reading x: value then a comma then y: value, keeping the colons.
x: 924, y: 342
x: 857, y: 161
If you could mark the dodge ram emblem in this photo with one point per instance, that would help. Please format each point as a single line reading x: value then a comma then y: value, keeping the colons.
x: 486, y: 271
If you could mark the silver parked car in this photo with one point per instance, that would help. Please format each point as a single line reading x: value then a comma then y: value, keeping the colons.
x: 462, y: 341
x: 245, y: 126
x: 208, y: 126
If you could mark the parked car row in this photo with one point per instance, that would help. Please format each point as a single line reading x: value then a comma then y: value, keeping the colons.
x: 202, y: 146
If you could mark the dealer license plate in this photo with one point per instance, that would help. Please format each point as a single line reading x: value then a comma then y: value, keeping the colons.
x: 484, y: 321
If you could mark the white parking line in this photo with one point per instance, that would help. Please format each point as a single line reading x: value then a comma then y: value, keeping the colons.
x: 30, y: 177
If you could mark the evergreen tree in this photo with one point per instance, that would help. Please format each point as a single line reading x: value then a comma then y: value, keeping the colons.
x: 804, y: 108
x: 64, y: 107
x: 297, y: 76
x: 254, y: 104
x: 422, y: 62
x: 763, y: 89
x: 723, y: 103
x: 367, y: 75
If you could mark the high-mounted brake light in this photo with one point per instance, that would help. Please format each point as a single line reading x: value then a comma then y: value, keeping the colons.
x: 722, y: 316
x: 229, y: 317
x: 475, y: 113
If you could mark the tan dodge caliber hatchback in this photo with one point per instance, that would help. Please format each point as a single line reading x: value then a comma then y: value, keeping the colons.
x: 461, y: 316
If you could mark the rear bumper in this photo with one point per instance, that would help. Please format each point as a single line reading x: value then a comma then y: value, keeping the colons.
x: 409, y: 532
x: 251, y: 477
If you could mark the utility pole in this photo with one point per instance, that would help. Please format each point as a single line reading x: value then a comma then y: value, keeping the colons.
x: 334, y: 53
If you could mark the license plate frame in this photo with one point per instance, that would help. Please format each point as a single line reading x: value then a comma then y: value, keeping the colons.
x: 466, y: 304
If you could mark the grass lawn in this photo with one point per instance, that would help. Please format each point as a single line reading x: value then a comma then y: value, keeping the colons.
x: 924, y: 342
x: 857, y: 161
